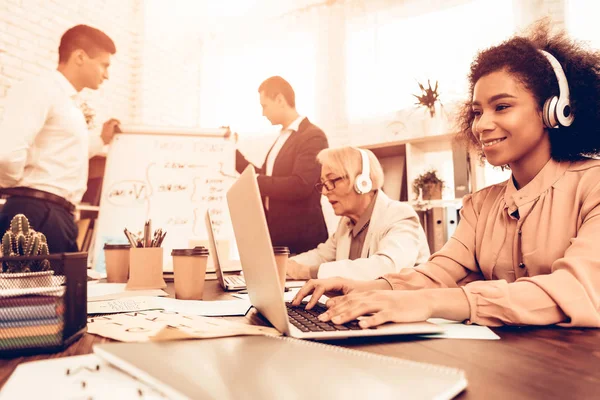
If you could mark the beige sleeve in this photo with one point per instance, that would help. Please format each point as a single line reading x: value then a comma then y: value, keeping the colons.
x: 569, y: 295
x: 453, y: 263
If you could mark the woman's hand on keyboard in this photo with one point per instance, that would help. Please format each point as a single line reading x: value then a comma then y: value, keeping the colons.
x: 335, y: 287
x: 381, y: 306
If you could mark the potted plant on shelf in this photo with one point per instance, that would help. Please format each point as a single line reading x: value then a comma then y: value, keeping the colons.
x: 429, y: 97
x: 429, y: 185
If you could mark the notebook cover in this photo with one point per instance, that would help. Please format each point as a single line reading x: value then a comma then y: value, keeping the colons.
x: 262, y: 367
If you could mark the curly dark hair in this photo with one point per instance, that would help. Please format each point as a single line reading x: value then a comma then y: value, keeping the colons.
x: 520, y: 57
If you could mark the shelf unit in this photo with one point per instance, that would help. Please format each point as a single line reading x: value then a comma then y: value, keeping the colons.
x: 404, y: 160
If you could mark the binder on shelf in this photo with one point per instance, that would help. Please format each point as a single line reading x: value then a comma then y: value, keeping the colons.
x: 462, y: 171
x: 439, y: 223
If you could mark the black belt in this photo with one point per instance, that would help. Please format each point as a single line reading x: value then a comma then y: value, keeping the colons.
x: 40, y: 195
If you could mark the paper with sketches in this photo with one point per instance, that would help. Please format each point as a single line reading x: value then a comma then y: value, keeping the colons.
x: 165, y: 325
x: 109, y: 291
x: 458, y: 330
x: 216, y: 308
x: 88, y: 377
x: 130, y: 304
x: 219, y: 308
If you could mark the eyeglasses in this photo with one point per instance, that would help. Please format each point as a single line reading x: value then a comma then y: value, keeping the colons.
x: 329, y: 184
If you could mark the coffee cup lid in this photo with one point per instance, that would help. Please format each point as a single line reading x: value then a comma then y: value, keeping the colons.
x: 196, y: 251
x: 281, y: 250
x: 109, y: 246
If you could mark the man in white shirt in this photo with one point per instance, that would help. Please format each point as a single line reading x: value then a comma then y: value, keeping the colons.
x: 45, y: 139
x: 290, y: 171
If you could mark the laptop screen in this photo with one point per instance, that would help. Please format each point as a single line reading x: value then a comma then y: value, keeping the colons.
x: 255, y: 248
x: 214, y: 249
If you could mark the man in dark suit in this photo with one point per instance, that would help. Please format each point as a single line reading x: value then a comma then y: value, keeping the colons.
x: 290, y: 171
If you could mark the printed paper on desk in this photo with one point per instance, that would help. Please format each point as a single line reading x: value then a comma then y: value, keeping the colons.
x: 220, y: 308
x: 151, y: 325
x: 217, y: 308
x: 287, y: 296
x: 205, y: 327
x: 127, y: 327
x: 111, y: 291
x: 130, y: 304
x: 458, y: 330
x: 89, y: 377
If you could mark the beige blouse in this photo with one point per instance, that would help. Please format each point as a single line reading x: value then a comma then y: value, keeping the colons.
x: 528, y: 256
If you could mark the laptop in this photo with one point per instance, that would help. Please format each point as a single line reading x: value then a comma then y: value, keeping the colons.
x: 260, y: 272
x: 233, y: 282
x: 228, y: 283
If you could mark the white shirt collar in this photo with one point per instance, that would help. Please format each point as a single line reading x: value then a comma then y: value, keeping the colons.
x: 294, y: 126
x: 65, y: 84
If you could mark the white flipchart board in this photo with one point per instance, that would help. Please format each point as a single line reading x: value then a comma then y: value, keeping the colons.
x: 168, y: 176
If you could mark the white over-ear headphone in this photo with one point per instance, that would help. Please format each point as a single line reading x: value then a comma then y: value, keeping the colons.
x: 362, y: 183
x: 557, y: 110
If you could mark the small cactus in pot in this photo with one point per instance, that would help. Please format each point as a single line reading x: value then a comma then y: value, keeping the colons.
x: 21, y: 240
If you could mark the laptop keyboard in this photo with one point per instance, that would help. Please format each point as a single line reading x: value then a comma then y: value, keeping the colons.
x: 235, y: 280
x: 307, y: 321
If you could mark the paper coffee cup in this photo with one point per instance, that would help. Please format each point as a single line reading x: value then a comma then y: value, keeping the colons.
x: 282, y: 254
x: 189, y: 272
x: 117, y: 262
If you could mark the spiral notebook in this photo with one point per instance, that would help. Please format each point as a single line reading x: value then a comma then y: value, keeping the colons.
x: 264, y: 367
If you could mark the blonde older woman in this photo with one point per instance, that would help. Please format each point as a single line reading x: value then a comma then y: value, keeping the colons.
x: 375, y: 236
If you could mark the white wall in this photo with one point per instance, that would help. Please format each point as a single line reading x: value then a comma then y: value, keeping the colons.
x: 155, y: 73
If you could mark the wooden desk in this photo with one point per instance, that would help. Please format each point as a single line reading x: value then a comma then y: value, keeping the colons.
x: 527, y: 363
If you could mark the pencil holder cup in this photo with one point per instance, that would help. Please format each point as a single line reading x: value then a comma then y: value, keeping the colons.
x: 146, y: 268
x: 189, y: 270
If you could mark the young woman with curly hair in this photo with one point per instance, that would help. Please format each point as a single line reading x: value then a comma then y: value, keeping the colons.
x: 526, y: 250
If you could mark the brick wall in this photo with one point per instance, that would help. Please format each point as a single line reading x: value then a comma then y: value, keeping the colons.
x: 30, y: 32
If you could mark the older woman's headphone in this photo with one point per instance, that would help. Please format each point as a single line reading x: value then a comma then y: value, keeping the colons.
x: 363, y: 183
x: 557, y: 110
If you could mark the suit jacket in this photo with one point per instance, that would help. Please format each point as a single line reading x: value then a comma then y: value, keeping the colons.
x: 395, y: 240
x: 295, y: 217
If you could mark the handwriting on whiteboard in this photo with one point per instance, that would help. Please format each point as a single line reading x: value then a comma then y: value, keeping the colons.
x: 127, y: 193
x: 167, y: 183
